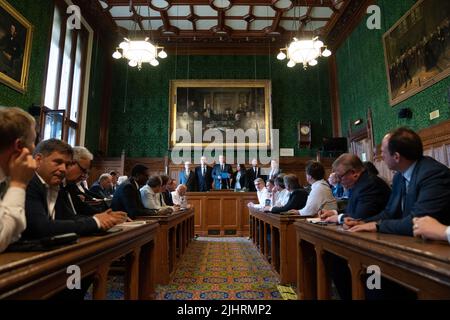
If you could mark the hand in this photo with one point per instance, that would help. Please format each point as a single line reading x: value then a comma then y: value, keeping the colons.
x: 350, y: 222
x: 108, y: 218
x: 332, y: 219
x: 368, y: 227
x: 250, y: 204
x: 323, y: 214
x: 293, y: 211
x: 21, y: 168
x: 429, y: 228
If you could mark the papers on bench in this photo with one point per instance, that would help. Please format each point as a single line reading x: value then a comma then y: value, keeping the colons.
x: 131, y: 224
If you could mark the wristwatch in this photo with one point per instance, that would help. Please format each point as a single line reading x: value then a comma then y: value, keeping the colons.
x: 377, y: 225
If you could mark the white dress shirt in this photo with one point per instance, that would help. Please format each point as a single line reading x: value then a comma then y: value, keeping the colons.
x: 151, y: 199
x: 281, y: 198
x: 262, y: 196
x: 179, y: 200
x: 319, y: 198
x: 52, y: 195
x: 12, y: 214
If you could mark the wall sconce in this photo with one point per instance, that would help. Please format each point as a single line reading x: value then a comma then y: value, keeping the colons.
x: 358, y: 122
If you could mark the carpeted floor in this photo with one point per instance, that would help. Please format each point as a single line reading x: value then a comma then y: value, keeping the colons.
x: 221, y: 268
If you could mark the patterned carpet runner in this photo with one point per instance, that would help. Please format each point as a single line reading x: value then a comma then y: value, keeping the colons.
x: 221, y: 269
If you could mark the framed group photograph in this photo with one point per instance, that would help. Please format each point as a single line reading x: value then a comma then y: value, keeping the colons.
x: 417, y: 49
x: 220, y: 105
x: 15, y: 47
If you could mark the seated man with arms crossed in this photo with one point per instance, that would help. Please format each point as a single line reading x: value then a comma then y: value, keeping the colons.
x: 17, y: 132
x: 297, y: 195
x: 48, y: 208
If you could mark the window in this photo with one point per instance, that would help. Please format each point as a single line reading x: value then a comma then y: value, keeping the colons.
x: 65, y: 77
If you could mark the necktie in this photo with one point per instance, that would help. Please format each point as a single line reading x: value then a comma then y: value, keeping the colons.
x: 221, y: 168
x: 404, y: 190
x: 203, y: 170
x: 3, y: 188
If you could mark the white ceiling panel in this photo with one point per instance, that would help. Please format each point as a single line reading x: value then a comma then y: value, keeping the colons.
x: 120, y: 12
x: 290, y: 25
x: 203, y: 11
x: 154, y: 24
x: 237, y: 24
x: 314, y: 25
x: 237, y: 11
x: 260, y: 11
x: 144, y: 11
x: 296, y: 12
x: 260, y: 24
x: 182, y: 24
x: 205, y: 24
x: 127, y: 24
x: 179, y: 11
x: 321, y: 12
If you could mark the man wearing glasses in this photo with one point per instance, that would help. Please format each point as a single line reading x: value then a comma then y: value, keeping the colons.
x: 369, y: 194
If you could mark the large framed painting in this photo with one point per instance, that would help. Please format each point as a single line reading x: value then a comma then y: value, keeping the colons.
x: 417, y: 49
x: 201, y: 109
x: 15, y: 47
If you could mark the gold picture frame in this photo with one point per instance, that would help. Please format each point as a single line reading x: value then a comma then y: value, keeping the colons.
x: 16, y: 34
x: 417, y: 49
x: 220, y: 104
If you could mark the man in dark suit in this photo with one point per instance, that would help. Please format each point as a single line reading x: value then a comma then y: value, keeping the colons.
x: 187, y: 177
x: 48, y: 208
x: 297, y: 197
x: 203, y: 176
x: 127, y: 196
x: 369, y: 193
x: 103, y: 186
x: 77, y: 171
x: 420, y: 187
x: 252, y: 174
x: 221, y: 174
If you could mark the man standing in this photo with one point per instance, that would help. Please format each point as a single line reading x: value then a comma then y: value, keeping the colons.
x: 221, y: 174
x: 203, y: 175
x: 187, y: 177
x: 17, y: 129
x: 252, y: 174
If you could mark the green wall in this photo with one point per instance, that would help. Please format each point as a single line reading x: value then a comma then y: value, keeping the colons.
x: 140, y: 107
x: 38, y: 13
x: 363, y: 82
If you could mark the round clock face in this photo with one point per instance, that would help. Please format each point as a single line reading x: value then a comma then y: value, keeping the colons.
x: 304, y: 130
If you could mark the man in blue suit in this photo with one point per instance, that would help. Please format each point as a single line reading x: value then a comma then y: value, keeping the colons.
x: 203, y: 176
x: 420, y: 187
x: 187, y: 177
x: 221, y: 173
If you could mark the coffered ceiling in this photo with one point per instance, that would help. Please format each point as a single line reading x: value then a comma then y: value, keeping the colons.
x: 223, y: 26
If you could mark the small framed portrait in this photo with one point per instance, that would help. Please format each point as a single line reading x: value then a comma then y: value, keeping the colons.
x: 15, y: 47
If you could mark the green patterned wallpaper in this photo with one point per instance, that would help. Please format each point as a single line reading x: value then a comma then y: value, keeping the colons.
x: 140, y: 107
x: 38, y: 12
x: 363, y: 82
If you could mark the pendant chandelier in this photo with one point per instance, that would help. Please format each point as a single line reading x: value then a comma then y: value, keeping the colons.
x: 139, y: 51
x: 304, y: 51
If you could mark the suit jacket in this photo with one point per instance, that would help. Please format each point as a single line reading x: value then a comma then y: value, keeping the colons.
x: 251, y: 176
x: 297, y: 200
x: 82, y: 207
x: 242, y: 180
x: 99, y: 191
x: 370, y: 195
x: 167, y: 195
x: 189, y: 181
x: 39, y: 222
x: 203, y: 182
x: 217, y: 171
x: 274, y: 175
x: 428, y: 194
x: 128, y: 198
